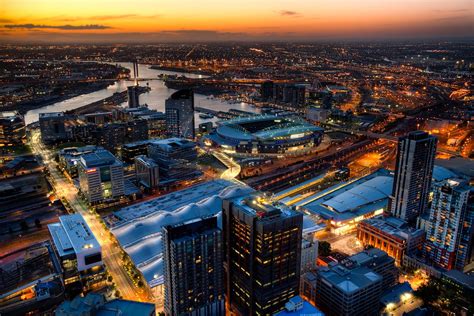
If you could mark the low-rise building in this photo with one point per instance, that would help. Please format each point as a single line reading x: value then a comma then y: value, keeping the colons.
x: 79, y: 252
x: 353, y: 286
x: 147, y: 172
x: 391, y: 235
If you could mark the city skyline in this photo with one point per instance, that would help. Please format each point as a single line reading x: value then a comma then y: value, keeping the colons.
x: 80, y: 22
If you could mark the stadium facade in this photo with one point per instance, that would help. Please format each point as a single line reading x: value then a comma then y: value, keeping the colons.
x: 265, y: 135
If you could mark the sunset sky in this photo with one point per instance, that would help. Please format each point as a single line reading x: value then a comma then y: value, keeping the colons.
x: 202, y: 20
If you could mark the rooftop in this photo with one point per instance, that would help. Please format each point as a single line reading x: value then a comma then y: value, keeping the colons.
x: 99, y: 158
x: 297, y: 306
x: 72, y: 235
x: 351, y: 199
x: 394, y: 294
x: 393, y: 226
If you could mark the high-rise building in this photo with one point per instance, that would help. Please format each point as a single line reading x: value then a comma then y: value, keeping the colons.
x: 179, y: 110
x: 101, y: 176
x: 262, y: 262
x: 53, y: 127
x: 193, y: 270
x: 12, y: 128
x: 413, y: 172
x: 79, y: 253
x: 309, y: 255
x: 147, y: 172
x: 266, y: 90
x: 450, y: 229
x: 133, y: 97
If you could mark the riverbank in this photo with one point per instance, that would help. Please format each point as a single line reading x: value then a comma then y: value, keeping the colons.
x: 22, y: 108
x: 183, y: 70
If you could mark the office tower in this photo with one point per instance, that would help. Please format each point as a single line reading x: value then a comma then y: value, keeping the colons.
x: 53, y: 127
x: 266, y: 90
x: 193, y: 270
x: 12, y: 128
x: 133, y: 97
x: 413, y: 172
x: 450, y: 229
x: 262, y: 261
x: 179, y: 110
x: 352, y: 287
x: 176, y: 157
x: 79, y: 253
x: 147, y: 172
x: 100, y: 176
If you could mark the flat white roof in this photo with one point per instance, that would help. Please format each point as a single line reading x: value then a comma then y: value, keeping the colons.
x: 72, y: 234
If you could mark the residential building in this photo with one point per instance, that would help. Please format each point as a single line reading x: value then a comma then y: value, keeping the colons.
x: 449, y: 234
x: 262, y: 243
x: 12, y: 129
x: 193, y: 270
x: 309, y: 255
x: 179, y: 110
x: 413, y: 174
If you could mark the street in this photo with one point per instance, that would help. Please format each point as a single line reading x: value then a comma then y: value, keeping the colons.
x: 110, y: 250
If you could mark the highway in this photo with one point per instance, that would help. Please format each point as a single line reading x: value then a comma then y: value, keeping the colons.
x: 111, y: 253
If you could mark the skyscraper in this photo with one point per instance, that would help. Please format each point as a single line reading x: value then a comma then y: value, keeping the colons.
x: 449, y: 233
x: 262, y: 259
x: 413, y: 172
x: 194, y: 278
x: 133, y: 95
x: 179, y: 110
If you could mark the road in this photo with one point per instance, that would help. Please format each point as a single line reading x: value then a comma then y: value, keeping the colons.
x: 233, y: 168
x: 110, y: 250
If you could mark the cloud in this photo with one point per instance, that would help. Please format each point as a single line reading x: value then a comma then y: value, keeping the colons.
x: 67, y: 27
x: 289, y: 13
x: 5, y: 21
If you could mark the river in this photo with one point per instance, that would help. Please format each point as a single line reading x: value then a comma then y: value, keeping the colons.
x: 155, y: 98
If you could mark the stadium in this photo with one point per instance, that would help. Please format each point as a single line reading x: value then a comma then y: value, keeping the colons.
x: 265, y: 134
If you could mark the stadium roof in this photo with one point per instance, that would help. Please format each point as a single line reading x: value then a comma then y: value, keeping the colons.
x: 236, y: 128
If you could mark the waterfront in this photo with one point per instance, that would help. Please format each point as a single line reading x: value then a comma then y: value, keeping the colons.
x: 155, y: 98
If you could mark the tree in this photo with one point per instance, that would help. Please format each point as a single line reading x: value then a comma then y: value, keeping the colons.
x: 324, y: 248
x: 428, y: 292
